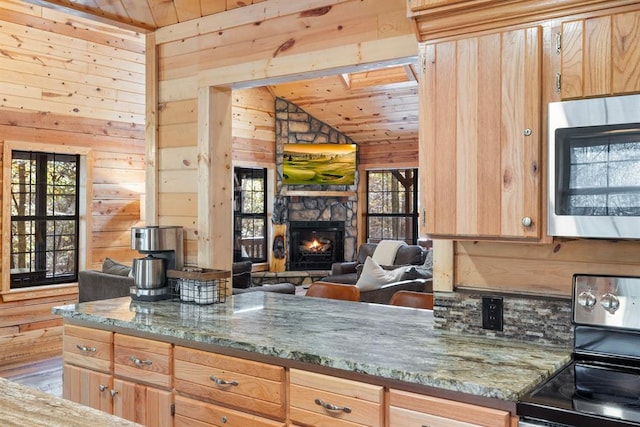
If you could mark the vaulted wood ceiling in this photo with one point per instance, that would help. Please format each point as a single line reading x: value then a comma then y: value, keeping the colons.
x: 369, y: 106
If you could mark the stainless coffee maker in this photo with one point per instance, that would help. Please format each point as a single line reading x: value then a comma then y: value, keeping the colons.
x: 163, y: 247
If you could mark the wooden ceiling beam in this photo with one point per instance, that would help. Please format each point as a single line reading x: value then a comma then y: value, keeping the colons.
x: 93, y: 14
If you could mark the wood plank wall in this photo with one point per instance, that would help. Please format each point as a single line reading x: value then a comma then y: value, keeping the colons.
x: 191, y: 50
x: 70, y: 81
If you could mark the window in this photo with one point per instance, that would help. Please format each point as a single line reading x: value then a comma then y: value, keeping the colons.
x: 44, y: 218
x: 250, y: 215
x: 392, y: 205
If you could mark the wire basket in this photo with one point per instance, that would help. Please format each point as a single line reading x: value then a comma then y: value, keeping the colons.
x: 201, y: 286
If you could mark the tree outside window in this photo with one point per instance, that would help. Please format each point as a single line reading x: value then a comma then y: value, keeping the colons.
x: 44, y: 218
x: 250, y: 214
x: 392, y: 205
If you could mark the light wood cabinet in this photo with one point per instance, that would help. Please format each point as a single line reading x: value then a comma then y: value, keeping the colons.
x: 142, y: 404
x: 322, y: 400
x: 191, y: 412
x: 410, y: 409
x: 158, y: 384
x: 231, y: 382
x: 88, y: 387
x: 89, y: 348
x: 143, y: 380
x: 600, y: 56
x: 87, y: 367
x: 480, y: 136
x: 119, y: 374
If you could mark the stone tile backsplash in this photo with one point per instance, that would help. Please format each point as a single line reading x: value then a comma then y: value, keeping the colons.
x: 527, y: 318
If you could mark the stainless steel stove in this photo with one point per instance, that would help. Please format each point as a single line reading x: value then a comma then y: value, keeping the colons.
x: 600, y: 387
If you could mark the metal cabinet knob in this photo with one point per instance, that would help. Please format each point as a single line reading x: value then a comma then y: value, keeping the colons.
x: 527, y: 221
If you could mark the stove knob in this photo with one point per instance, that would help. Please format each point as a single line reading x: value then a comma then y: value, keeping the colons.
x: 587, y: 299
x: 610, y: 302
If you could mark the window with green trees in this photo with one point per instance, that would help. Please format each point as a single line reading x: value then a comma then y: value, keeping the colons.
x: 392, y: 205
x: 44, y: 218
x: 250, y: 214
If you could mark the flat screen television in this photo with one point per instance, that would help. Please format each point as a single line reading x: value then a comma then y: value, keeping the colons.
x: 319, y: 164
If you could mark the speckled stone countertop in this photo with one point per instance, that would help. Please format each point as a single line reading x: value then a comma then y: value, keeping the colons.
x: 384, y: 341
x: 21, y: 406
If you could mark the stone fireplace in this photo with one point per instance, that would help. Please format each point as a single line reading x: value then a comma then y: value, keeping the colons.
x: 331, y: 216
x: 315, y: 245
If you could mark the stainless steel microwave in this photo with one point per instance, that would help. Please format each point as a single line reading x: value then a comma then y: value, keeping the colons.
x: 594, y: 168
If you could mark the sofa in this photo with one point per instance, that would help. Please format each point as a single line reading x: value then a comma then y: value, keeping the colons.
x: 113, y: 281
x: 242, y: 283
x: 411, y: 270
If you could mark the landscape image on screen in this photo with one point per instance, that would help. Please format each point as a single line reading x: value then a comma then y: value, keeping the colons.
x: 312, y: 164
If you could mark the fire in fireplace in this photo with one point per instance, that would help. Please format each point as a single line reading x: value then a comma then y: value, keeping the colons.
x: 315, y: 245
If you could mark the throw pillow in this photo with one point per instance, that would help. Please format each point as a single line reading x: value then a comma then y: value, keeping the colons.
x: 110, y: 266
x: 373, y: 276
x: 424, y: 271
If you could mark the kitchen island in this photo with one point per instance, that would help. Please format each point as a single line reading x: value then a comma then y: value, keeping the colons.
x: 394, y: 347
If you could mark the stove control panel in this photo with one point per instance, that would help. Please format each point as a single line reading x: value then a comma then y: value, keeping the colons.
x: 612, y: 301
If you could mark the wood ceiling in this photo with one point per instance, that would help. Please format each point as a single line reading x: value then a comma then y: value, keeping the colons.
x: 370, y: 106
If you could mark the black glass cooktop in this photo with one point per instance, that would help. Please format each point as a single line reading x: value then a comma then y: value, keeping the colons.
x: 587, y: 393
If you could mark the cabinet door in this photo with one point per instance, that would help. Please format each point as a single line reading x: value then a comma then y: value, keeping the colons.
x: 87, y: 387
x: 601, y: 56
x: 142, y: 404
x: 480, y: 136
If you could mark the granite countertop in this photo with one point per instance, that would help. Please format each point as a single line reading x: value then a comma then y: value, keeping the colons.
x: 380, y: 340
x: 21, y: 406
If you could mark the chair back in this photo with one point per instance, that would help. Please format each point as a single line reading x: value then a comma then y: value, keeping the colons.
x: 334, y: 291
x: 412, y: 299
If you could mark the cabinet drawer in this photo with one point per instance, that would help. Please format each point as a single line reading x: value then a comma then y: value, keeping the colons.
x: 407, y: 409
x: 322, y: 400
x: 142, y: 360
x: 89, y: 348
x: 190, y: 413
x: 243, y: 384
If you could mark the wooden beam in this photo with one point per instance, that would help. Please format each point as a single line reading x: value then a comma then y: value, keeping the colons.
x: 151, y: 133
x: 215, y: 178
x: 87, y: 13
x: 341, y: 59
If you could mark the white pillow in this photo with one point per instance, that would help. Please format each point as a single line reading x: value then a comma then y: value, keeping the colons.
x: 374, y: 277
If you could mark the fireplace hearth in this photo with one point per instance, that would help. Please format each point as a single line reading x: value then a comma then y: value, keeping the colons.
x: 315, y: 245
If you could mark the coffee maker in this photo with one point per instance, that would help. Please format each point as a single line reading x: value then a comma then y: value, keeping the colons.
x: 163, y: 247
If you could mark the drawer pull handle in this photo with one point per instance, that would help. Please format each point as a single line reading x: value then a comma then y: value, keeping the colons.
x: 102, y: 387
x: 220, y: 381
x: 330, y: 407
x: 139, y: 362
x: 86, y: 349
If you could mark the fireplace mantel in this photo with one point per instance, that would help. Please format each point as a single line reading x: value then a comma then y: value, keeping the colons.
x: 318, y: 193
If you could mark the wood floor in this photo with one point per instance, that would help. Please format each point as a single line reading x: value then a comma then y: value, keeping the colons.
x: 45, y: 375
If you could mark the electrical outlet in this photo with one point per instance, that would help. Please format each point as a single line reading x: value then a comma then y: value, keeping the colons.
x: 492, y: 313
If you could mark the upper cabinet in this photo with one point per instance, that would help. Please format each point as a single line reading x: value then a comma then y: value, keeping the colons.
x: 443, y: 18
x: 600, y: 56
x: 480, y: 137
